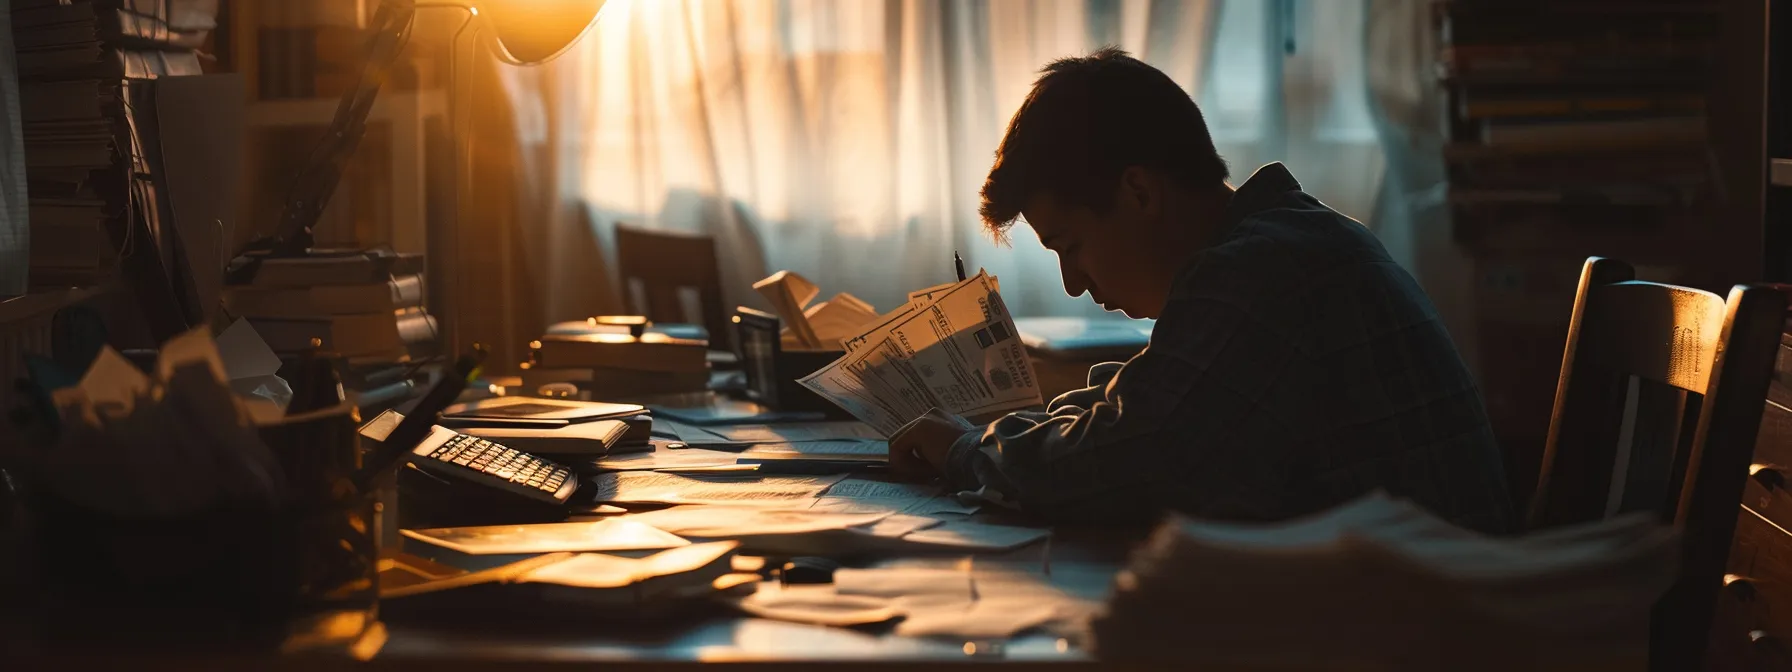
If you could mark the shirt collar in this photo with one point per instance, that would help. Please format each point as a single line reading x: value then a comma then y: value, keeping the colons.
x: 1261, y: 192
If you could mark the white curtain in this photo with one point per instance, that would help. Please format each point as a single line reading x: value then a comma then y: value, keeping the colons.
x: 847, y: 139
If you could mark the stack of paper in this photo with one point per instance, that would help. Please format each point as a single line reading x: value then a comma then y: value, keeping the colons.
x: 972, y: 601
x: 592, y: 579
x: 952, y: 347
x: 819, y: 326
x: 1380, y: 583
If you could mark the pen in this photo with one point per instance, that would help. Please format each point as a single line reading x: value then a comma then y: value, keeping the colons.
x: 958, y: 264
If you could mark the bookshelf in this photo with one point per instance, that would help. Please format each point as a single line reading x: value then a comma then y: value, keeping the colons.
x: 393, y: 163
x: 1777, y: 117
x: 1592, y: 127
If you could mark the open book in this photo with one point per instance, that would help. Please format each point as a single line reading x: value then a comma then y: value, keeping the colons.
x: 952, y: 347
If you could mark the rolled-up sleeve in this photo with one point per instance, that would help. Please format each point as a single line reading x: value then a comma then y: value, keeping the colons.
x: 1160, y: 433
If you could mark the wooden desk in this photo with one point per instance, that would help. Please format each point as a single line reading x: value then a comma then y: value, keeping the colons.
x: 1082, y: 562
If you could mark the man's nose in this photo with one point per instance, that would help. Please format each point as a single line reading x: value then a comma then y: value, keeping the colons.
x: 1074, y: 281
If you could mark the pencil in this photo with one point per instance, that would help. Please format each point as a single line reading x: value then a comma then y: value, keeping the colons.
x: 958, y: 264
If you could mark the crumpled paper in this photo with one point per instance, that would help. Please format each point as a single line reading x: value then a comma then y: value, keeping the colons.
x: 136, y: 446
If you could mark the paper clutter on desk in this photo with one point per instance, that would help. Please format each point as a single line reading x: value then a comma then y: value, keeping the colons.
x: 136, y: 446
x: 619, y: 587
x: 595, y: 535
x: 821, y: 326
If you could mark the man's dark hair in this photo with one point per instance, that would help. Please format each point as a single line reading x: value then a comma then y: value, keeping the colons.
x: 1087, y: 120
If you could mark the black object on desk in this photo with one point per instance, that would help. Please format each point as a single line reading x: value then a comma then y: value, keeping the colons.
x: 394, y: 450
x: 772, y: 372
x: 807, y: 570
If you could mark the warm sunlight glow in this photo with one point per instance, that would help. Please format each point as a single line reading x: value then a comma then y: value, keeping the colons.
x: 535, y: 31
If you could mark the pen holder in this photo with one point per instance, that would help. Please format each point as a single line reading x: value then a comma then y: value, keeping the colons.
x: 772, y: 372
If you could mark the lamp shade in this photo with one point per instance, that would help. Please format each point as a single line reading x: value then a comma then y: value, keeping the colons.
x: 534, y: 31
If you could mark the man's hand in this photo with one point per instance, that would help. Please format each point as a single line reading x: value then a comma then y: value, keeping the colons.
x: 918, y: 451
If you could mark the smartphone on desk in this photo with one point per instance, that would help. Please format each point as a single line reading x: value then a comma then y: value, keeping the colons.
x: 476, y: 462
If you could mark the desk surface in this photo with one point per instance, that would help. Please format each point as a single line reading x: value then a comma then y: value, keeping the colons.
x: 1082, y: 562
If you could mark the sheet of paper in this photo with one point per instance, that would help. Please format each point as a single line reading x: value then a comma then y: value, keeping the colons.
x: 789, y: 293
x: 665, y: 459
x: 952, y: 347
x: 920, y: 297
x: 850, y: 448
x: 967, y: 534
x: 729, y: 521
x: 983, y: 619
x: 964, y: 347
x: 867, y: 496
x: 610, y: 534
x: 649, y: 486
x: 884, y: 370
x: 900, y: 525
x: 876, y: 328
x: 969, y: 601
x: 245, y: 355
x: 685, y: 432
x: 888, y: 374
x: 595, y: 570
x: 838, y: 318
x: 841, y: 387
x: 817, y: 604
x: 797, y: 431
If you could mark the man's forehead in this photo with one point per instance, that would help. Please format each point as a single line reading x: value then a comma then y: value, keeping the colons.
x: 1042, y: 213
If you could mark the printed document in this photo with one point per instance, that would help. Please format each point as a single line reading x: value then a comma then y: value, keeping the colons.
x: 653, y: 486
x: 953, y: 347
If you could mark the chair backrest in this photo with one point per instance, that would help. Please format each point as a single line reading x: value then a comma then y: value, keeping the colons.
x: 660, y: 264
x: 1656, y: 409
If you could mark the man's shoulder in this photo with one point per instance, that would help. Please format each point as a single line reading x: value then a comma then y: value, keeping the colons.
x: 1280, y: 250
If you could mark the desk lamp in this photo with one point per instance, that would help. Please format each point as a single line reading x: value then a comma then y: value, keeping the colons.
x: 526, y: 32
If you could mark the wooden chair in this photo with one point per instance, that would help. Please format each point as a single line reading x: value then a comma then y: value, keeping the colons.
x: 663, y: 263
x: 1656, y: 409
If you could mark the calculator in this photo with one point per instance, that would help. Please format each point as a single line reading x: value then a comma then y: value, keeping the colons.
x: 455, y: 455
x: 470, y: 459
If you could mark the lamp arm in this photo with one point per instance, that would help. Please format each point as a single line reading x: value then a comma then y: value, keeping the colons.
x: 311, y: 189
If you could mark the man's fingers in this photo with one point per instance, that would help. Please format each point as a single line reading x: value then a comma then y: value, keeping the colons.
x: 904, y: 462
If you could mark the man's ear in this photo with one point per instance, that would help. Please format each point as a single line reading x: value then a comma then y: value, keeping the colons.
x: 1142, y: 191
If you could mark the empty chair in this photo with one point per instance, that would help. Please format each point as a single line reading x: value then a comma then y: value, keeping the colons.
x: 661, y: 265
x: 1656, y: 409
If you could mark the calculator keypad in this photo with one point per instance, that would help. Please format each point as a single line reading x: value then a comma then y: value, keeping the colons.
x: 506, y: 464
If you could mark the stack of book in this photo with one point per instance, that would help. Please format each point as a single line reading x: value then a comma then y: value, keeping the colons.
x: 1571, y: 128
x: 1543, y: 98
x: 615, y: 362
x: 89, y: 146
x: 365, y: 306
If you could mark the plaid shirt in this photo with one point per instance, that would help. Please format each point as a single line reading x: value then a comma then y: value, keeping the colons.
x: 1295, y: 367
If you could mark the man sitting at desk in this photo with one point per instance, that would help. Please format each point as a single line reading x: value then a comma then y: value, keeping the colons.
x: 1294, y: 366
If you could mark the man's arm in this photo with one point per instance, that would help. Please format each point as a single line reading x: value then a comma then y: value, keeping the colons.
x: 1164, y: 431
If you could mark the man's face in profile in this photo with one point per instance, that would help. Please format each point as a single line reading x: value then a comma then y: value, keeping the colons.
x: 1107, y: 255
